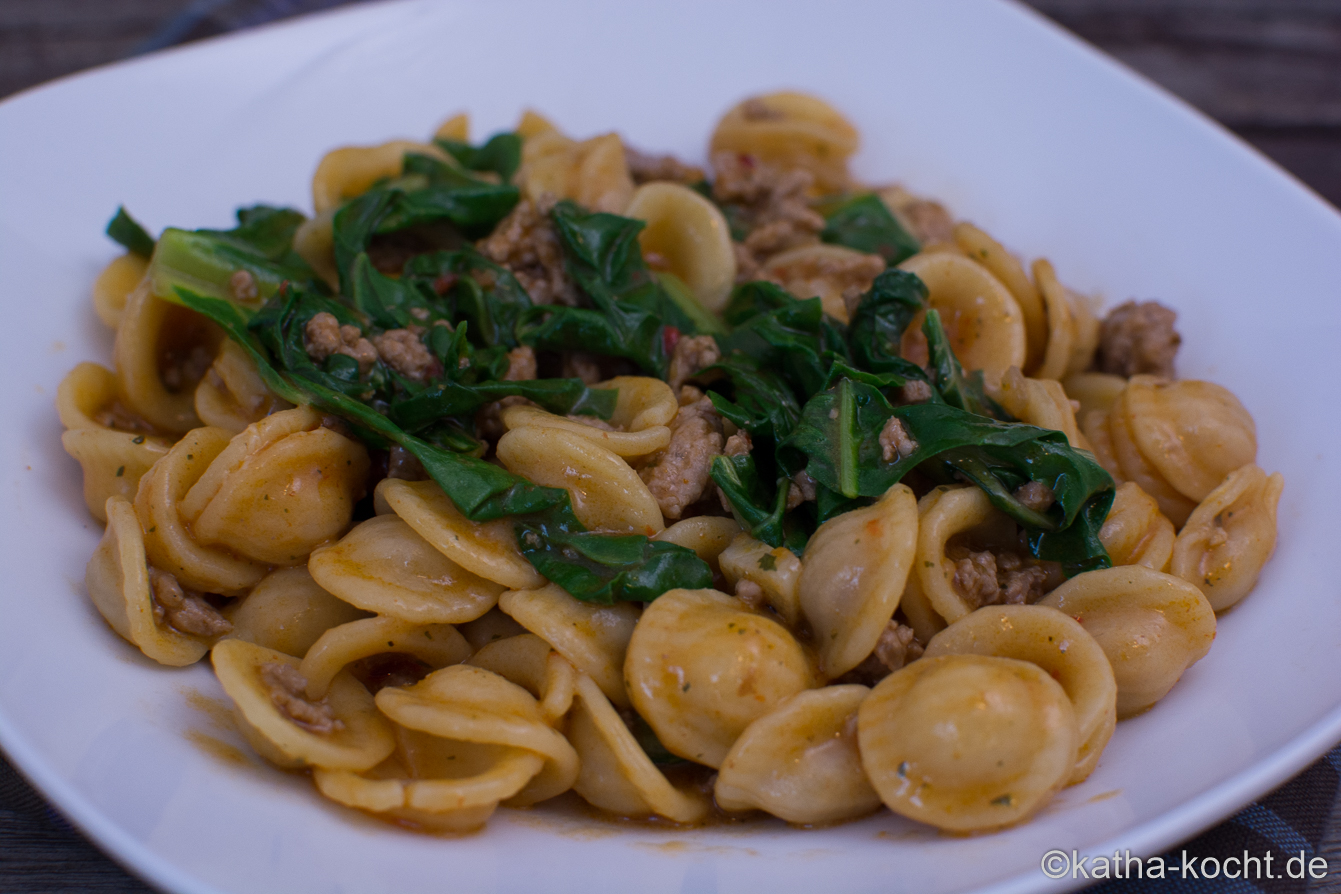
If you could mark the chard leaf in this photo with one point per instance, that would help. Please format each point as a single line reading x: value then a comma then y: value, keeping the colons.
x: 125, y: 230
x: 956, y: 388
x: 500, y: 154
x: 877, y: 325
x: 562, y: 396
x: 792, y: 336
x: 477, y: 290
x: 758, y: 508
x: 865, y: 224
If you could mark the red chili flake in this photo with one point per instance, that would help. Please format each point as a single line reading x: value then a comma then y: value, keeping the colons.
x: 444, y: 283
x: 670, y: 336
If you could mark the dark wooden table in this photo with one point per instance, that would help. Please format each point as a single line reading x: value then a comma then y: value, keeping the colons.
x: 1270, y: 70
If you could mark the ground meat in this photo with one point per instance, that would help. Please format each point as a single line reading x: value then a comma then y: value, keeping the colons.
x: 183, y: 369
x: 691, y: 354
x: 287, y: 688
x: 243, y: 286
x: 525, y: 243
x: 646, y: 168
x: 678, y: 475
x: 738, y: 444
x: 182, y: 610
x: 750, y: 593
x: 983, y: 577
x: 927, y: 221
x: 915, y: 392
x: 581, y: 365
x: 894, y: 441
x: 521, y: 365
x: 1138, y: 338
x: 325, y: 336
x: 801, y: 489
x: 1035, y: 495
x: 770, y: 202
x: 897, y: 647
x: 851, y: 275
x: 403, y: 350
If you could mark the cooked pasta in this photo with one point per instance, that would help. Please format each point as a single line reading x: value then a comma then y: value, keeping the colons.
x: 544, y: 464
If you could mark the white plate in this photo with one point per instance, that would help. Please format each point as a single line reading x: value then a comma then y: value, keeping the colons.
x: 1018, y: 127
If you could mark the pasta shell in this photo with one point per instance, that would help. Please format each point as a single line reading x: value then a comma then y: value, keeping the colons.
x: 967, y: 743
x: 113, y: 463
x: 777, y: 571
x: 1094, y: 391
x: 442, y: 785
x: 528, y: 661
x: 155, y: 344
x: 1061, y: 323
x: 168, y: 541
x: 700, y: 669
x: 1041, y: 402
x: 288, y: 612
x: 113, y: 286
x: 1152, y: 626
x: 280, y: 488
x: 615, y: 773
x: 980, y: 316
x: 1060, y: 646
x: 455, y: 128
x: 983, y: 249
x: 853, y: 573
x: 1230, y: 536
x: 362, y: 740
x: 437, y: 645
x: 488, y: 549
x: 606, y: 493
x: 471, y: 704
x: 800, y: 762
x: 592, y: 173
x: 1193, y: 433
x: 642, y: 411
x: 709, y: 536
x: 1132, y: 465
x: 830, y: 272
x: 943, y: 513
x: 314, y: 242
x: 350, y: 171
x: 83, y: 393
x: 490, y: 627
x: 687, y: 232
x: 383, y: 566
x: 117, y: 578
x: 232, y: 395
x: 1136, y: 532
x: 595, y: 638
x: 791, y: 130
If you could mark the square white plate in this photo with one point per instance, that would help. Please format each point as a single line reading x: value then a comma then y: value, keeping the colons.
x: 1016, y: 126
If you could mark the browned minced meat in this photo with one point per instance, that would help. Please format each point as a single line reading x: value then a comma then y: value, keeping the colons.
x: 286, y: 685
x: 750, y: 593
x: 852, y: 274
x: 1138, y: 338
x: 691, y: 354
x: 897, y: 647
x: 182, y: 369
x: 525, y: 243
x: 116, y: 416
x: 895, y: 444
x: 928, y: 221
x: 772, y: 202
x: 325, y: 336
x: 647, y: 168
x: 801, y: 489
x: 182, y: 610
x: 984, y: 577
x: 678, y: 475
x: 1035, y: 495
x: 243, y: 286
x: 739, y: 444
x: 403, y: 350
x: 915, y: 392
x: 580, y: 365
x: 521, y: 365
x: 376, y: 672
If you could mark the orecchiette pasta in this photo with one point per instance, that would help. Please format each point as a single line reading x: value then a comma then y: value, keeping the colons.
x: 853, y: 574
x: 1151, y: 625
x: 981, y: 317
x: 1057, y: 644
x: 800, y: 761
x: 700, y: 668
x: 595, y: 638
x: 967, y: 742
x: 1229, y: 536
x: 686, y: 235
x: 383, y: 566
x: 351, y: 455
